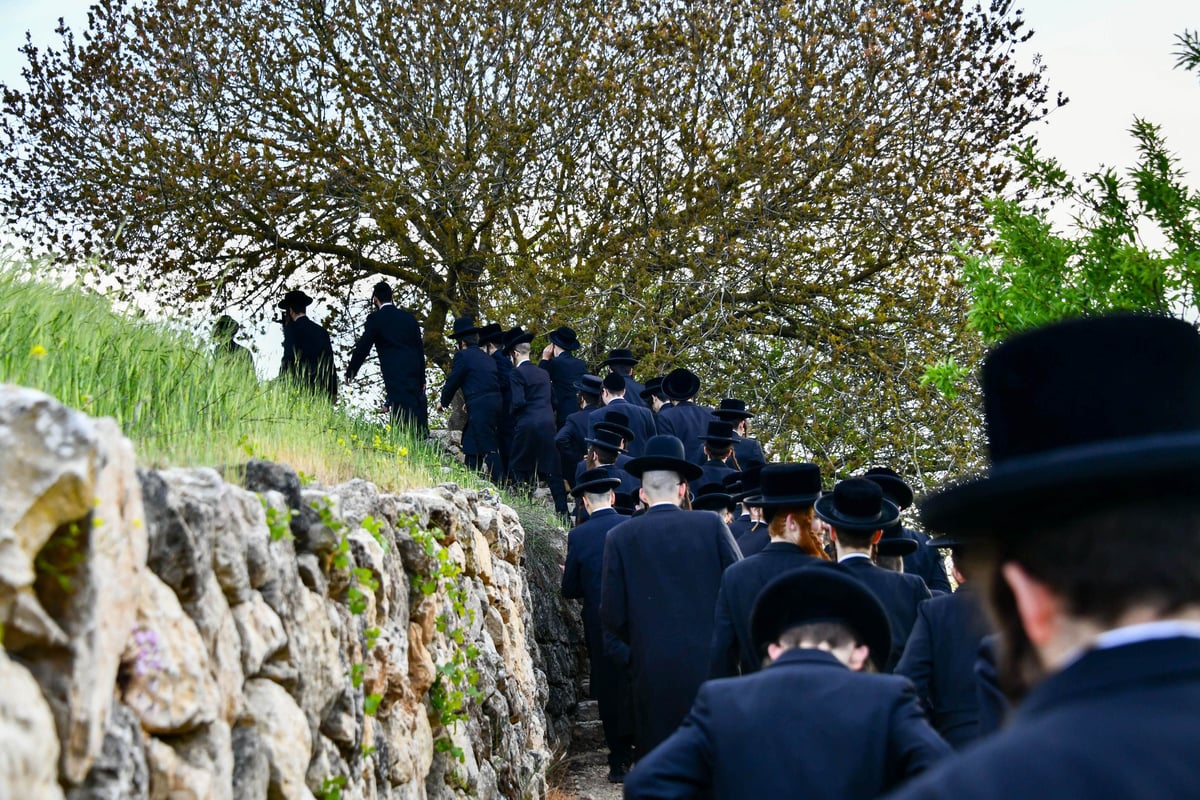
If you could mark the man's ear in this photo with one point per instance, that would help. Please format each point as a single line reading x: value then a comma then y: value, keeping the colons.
x: 858, y: 658
x: 775, y: 650
x: 1038, y: 607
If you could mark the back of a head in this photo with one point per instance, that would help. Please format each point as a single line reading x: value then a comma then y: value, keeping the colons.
x: 522, y: 349
x: 614, y: 384
x: 660, y: 485
x: 382, y: 292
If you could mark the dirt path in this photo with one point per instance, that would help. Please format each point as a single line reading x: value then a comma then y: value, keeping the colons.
x: 585, y: 776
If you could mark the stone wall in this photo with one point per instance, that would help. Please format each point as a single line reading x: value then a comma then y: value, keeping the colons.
x: 170, y: 634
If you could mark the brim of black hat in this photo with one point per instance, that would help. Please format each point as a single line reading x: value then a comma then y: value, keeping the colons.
x: 759, y: 500
x: 495, y: 339
x: 619, y: 362
x: 714, y: 501
x: 1066, y: 481
x: 605, y: 445
x: 894, y: 487
x: 825, y: 509
x: 596, y: 486
x: 524, y: 338
x: 897, y: 547
x: 730, y: 414
x: 948, y: 542
x: 615, y: 427
x: 565, y: 344
x: 579, y: 387
x: 682, y: 392
x: 717, y: 439
x: 686, y: 469
x: 833, y: 595
x: 462, y: 333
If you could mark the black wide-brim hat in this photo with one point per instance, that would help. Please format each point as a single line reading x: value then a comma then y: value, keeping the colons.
x: 821, y: 592
x: 295, y: 298
x: 663, y: 452
x: 595, y: 481
x: 617, y: 422
x: 732, y: 409
x: 713, y: 497
x: 895, y: 543
x: 782, y: 485
x: 515, y: 336
x: 718, y: 433
x: 491, y: 333
x: 565, y: 338
x: 744, y: 484
x: 1081, y: 415
x: 463, y: 326
x: 681, y: 384
x: 857, y: 504
x: 894, y: 487
x: 625, y: 503
x: 653, y: 387
x: 619, y: 357
x: 606, y: 438
x: 589, y: 384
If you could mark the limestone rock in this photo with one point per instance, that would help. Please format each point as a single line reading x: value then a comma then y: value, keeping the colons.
x: 283, y: 728
x: 251, y: 767
x: 168, y: 685
x: 28, y: 741
x: 261, y: 633
x: 120, y: 772
x: 266, y: 476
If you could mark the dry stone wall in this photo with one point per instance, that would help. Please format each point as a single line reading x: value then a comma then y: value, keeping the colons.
x: 167, y: 634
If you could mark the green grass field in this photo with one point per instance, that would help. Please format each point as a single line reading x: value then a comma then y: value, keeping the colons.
x: 183, y: 407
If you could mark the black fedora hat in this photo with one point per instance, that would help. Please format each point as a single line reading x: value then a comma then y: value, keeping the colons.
x: 294, y: 298
x: 713, y: 497
x: 857, y: 504
x: 745, y: 484
x: 718, y: 433
x: 681, y: 384
x: 821, y: 592
x: 949, y: 542
x: 894, y: 487
x: 564, y: 337
x: 491, y: 333
x: 463, y: 326
x: 619, y: 357
x: 663, y: 452
x: 589, y: 384
x: 617, y: 422
x: 607, y: 439
x: 595, y: 481
x: 895, y: 543
x: 625, y: 503
x: 731, y: 409
x: 1082, y: 414
x: 653, y: 388
x: 514, y: 336
x: 787, y: 485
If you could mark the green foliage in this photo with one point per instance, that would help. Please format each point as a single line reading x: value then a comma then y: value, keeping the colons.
x: 63, y: 553
x: 945, y: 376
x: 1134, y: 244
x: 1188, y: 50
x: 331, y: 787
x: 279, y: 523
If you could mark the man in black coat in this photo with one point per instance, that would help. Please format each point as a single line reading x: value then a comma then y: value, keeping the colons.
x: 533, y: 454
x: 396, y: 337
x: 718, y: 444
x: 941, y: 652
x: 621, y: 362
x: 1086, y: 529
x: 605, y: 452
x: 582, y: 580
x: 747, y: 452
x: 812, y: 724
x: 662, y: 571
x: 495, y: 342
x: 858, y: 512
x: 652, y: 396
x: 924, y: 562
x: 307, y: 351
x: 641, y: 419
x: 474, y: 372
x: 787, y: 494
x: 565, y: 370
x: 571, y: 436
x: 683, y: 419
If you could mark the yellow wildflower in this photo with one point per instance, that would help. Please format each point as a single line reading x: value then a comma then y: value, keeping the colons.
x: 37, y: 351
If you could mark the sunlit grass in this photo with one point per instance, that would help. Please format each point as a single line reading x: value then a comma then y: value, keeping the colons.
x: 183, y: 407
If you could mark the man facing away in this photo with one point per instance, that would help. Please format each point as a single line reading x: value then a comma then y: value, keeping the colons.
x: 615, y: 398
x: 1085, y: 534
x: 474, y: 372
x: 533, y: 453
x: 565, y: 370
x: 307, y: 351
x: 661, y: 574
x: 814, y: 723
x: 396, y: 337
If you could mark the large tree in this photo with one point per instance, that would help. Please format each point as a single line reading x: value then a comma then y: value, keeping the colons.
x: 768, y: 190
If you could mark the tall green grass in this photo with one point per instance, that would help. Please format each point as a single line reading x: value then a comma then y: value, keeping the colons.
x: 180, y: 405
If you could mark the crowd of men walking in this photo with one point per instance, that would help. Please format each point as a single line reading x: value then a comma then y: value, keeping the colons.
x: 753, y: 633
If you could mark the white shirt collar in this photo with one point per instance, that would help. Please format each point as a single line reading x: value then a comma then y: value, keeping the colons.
x: 849, y: 556
x: 1141, y: 632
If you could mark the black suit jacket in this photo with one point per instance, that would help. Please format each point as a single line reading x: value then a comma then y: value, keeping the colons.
x: 1120, y: 722
x: 308, y: 357
x: 806, y: 726
x: 926, y: 563
x: 533, y: 422
x: 687, y: 422
x: 564, y: 370
x: 662, y: 571
x: 396, y: 337
x: 474, y: 372
x: 714, y: 471
x: 732, y: 648
x: 582, y: 580
x: 748, y: 452
x: 641, y: 422
x: 570, y: 441
x: 939, y: 659
x: 754, y: 539
x: 900, y: 595
x: 633, y: 392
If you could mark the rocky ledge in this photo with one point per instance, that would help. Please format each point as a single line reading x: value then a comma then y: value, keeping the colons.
x: 170, y: 634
